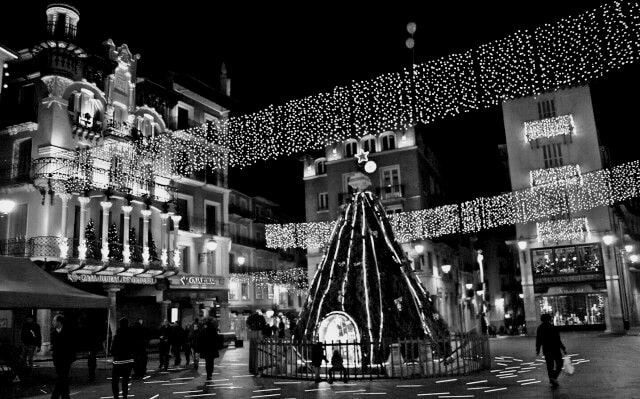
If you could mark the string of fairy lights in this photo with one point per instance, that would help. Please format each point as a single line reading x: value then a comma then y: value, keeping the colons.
x: 572, y: 51
x: 560, y: 198
x: 571, y: 229
x: 559, y: 174
x: 294, y: 279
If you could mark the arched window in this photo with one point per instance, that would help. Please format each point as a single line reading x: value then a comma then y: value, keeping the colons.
x: 369, y: 144
x: 388, y: 141
x: 321, y: 166
x: 350, y: 148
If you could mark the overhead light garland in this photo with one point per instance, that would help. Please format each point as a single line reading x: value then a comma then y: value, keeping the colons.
x: 599, y: 188
x: 571, y: 52
x: 548, y: 127
x: 295, y: 279
x: 563, y: 230
x: 560, y: 174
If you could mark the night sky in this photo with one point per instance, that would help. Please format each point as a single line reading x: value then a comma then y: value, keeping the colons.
x: 275, y: 53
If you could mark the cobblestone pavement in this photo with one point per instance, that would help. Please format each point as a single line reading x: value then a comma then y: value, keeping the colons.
x: 606, y: 367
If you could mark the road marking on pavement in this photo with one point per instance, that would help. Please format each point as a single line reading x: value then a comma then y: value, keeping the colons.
x: 408, y: 386
x: 501, y: 364
x: 198, y: 395
x: 155, y: 382
x: 146, y: 377
x: 508, y: 376
x: 528, y: 379
x: 182, y: 378
x: 370, y: 393
x: 182, y: 392
x: 175, y: 383
x: 287, y: 382
x: 110, y: 397
x: 524, y: 371
x: 531, y: 382
x: 517, y: 360
x: 74, y: 393
x: 512, y: 367
x: 155, y: 396
x: 267, y: 390
x: 351, y: 391
x: 243, y: 376
x: 495, y: 390
x: 475, y: 388
x: 434, y: 393
x: 317, y: 389
x: 476, y: 382
x: 266, y: 396
x: 457, y: 396
x: 449, y: 380
x: 222, y: 379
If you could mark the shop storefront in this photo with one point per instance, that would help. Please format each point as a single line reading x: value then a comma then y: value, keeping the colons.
x: 194, y: 296
x: 569, y: 284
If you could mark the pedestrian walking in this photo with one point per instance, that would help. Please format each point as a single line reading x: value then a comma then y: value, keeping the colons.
x: 317, y: 356
x: 140, y: 337
x: 165, y: 333
x: 281, y: 329
x: 209, y: 346
x: 186, y: 345
x: 176, y: 340
x: 194, y: 342
x: 31, y: 339
x: 337, y: 364
x: 64, y: 355
x: 96, y: 332
x: 548, y: 337
x: 122, y: 350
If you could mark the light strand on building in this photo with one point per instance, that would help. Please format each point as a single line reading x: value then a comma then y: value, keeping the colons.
x: 548, y: 127
x: 563, y: 230
x: 599, y: 188
x: 560, y: 174
x: 293, y: 278
x: 573, y: 51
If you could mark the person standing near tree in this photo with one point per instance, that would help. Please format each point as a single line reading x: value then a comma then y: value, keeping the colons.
x: 31, y: 339
x: 548, y: 337
x: 194, y: 342
x: 176, y: 340
x: 165, y: 333
x: 317, y: 356
x: 63, y: 356
x: 122, y: 350
x: 140, y: 339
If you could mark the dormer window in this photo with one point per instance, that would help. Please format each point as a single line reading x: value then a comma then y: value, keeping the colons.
x: 388, y: 141
x: 369, y: 144
x: 321, y: 166
x: 350, y: 148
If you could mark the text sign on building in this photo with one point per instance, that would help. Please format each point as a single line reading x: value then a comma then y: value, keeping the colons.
x: 98, y: 278
x: 202, y: 282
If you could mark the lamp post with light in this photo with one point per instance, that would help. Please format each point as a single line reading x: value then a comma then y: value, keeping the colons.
x: 483, y: 292
x: 609, y: 239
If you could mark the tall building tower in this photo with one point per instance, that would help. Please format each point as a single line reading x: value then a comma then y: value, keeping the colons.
x: 570, y: 266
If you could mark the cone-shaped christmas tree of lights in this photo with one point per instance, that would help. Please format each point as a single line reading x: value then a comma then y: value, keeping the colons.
x: 366, y: 279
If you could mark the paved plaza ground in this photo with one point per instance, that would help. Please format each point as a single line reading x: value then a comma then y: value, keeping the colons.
x: 607, y: 367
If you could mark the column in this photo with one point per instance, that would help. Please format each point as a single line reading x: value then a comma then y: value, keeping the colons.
x: 106, y: 206
x: 43, y: 318
x: 146, y: 214
x: 44, y: 217
x: 112, y: 290
x: 126, y: 251
x: 163, y: 241
x: 164, y: 309
x: 613, y: 317
x: 63, y: 242
x: 176, y: 251
x: 82, y: 245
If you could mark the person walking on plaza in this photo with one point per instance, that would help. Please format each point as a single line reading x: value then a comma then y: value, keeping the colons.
x: 176, y: 339
x: 209, y: 346
x: 548, y: 337
x: 63, y: 356
x: 186, y: 344
x: 140, y: 339
x: 317, y: 356
x: 194, y: 342
x: 96, y: 332
x: 122, y: 350
x: 165, y: 333
x: 31, y: 339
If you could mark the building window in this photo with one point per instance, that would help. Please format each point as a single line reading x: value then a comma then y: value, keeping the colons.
x: 22, y: 159
x: 244, y: 288
x: 323, y: 201
x: 182, y: 209
x: 574, y: 309
x: 321, y: 167
x: 186, y: 260
x: 390, y: 182
x: 270, y: 291
x: 183, y: 118
x: 388, y: 141
x: 567, y: 261
x: 350, y: 148
x: 258, y: 291
x: 210, y: 215
x: 369, y: 144
x: 393, y: 209
x: 233, y: 288
x: 546, y: 109
x: 552, y: 155
x: 430, y: 261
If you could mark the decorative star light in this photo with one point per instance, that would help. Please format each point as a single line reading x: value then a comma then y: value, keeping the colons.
x: 362, y: 156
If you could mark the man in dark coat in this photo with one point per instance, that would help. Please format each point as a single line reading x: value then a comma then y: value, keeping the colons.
x: 176, y: 339
x: 209, y: 346
x: 122, y: 350
x: 140, y: 339
x: 62, y: 343
x: 31, y: 339
x: 548, y: 338
x: 194, y: 342
x: 317, y: 356
x: 165, y: 333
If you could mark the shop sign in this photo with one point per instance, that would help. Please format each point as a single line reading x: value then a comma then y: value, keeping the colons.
x: 572, y: 278
x: 201, y: 282
x: 99, y: 278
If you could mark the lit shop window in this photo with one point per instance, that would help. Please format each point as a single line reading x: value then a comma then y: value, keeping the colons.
x: 573, y: 309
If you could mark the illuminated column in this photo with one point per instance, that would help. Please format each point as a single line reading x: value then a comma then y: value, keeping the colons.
x: 112, y: 290
x: 146, y: 213
x: 82, y: 245
x: 176, y: 253
x: 106, y: 206
x: 164, y: 309
x: 163, y: 240
x: 126, y: 251
x: 63, y: 243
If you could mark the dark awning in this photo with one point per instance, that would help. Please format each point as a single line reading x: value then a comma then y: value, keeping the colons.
x: 24, y: 285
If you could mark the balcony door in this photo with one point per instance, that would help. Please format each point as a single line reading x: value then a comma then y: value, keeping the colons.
x: 390, y: 182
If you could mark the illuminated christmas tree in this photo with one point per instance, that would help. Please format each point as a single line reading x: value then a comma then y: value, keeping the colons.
x: 153, y: 251
x: 115, y: 249
x: 136, y: 250
x: 93, y: 247
x: 365, y: 289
